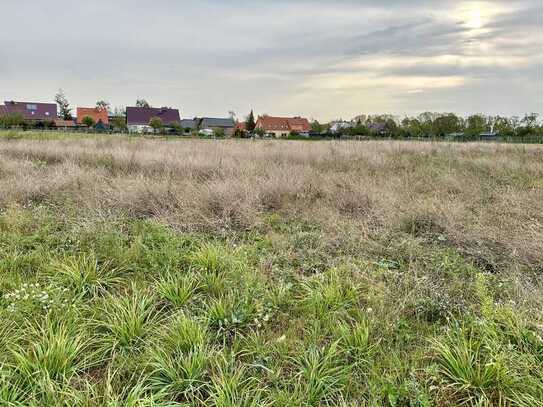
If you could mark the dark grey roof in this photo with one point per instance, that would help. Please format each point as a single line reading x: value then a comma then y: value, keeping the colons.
x: 189, y: 123
x: 142, y: 115
x: 210, y: 122
x: 32, y: 110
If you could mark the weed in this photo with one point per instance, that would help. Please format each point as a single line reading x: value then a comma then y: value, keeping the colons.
x: 32, y: 298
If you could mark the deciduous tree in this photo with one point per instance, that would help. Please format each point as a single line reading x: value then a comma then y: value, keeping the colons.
x: 119, y: 122
x: 142, y: 103
x: 65, y: 112
x: 156, y: 123
x: 102, y: 105
x: 316, y: 127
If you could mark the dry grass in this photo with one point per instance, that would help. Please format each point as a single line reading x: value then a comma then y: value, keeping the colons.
x: 485, y: 198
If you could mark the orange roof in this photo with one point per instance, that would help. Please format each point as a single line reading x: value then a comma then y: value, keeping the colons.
x: 93, y: 112
x: 240, y: 126
x: 270, y: 123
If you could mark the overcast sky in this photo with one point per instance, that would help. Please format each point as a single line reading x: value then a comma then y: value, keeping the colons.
x: 322, y: 59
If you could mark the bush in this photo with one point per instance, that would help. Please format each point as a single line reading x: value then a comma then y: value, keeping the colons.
x: 219, y: 132
x: 13, y: 120
x: 88, y: 121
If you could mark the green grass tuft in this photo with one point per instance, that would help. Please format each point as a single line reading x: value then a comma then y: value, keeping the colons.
x: 124, y: 322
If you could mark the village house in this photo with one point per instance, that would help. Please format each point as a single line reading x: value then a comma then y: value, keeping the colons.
x: 96, y: 114
x: 241, y: 127
x: 210, y: 124
x: 31, y: 111
x: 138, y: 118
x: 189, y: 125
x: 283, y: 126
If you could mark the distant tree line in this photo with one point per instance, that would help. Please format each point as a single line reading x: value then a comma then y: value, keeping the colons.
x: 441, y: 125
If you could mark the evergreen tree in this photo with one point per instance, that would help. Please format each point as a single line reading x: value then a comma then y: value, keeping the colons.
x: 250, y: 124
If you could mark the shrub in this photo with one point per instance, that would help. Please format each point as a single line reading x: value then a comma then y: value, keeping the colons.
x: 13, y: 120
x: 88, y: 121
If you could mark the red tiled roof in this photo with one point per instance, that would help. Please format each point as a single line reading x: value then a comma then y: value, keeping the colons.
x: 96, y: 114
x: 270, y: 123
x: 240, y: 126
x: 65, y: 123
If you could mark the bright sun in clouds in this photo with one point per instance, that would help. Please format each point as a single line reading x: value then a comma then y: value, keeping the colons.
x: 474, y: 19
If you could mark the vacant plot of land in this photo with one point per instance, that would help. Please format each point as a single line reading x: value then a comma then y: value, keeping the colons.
x: 137, y: 272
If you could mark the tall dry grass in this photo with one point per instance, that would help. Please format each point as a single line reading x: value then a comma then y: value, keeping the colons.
x: 485, y: 198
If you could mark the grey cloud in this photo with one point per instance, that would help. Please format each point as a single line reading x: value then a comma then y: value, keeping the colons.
x: 209, y: 56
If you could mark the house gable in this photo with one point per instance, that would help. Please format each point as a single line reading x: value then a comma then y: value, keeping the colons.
x: 98, y: 115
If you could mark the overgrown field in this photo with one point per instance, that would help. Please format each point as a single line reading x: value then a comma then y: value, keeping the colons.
x: 138, y: 272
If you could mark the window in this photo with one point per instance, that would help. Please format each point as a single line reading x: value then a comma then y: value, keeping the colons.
x: 31, y: 107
